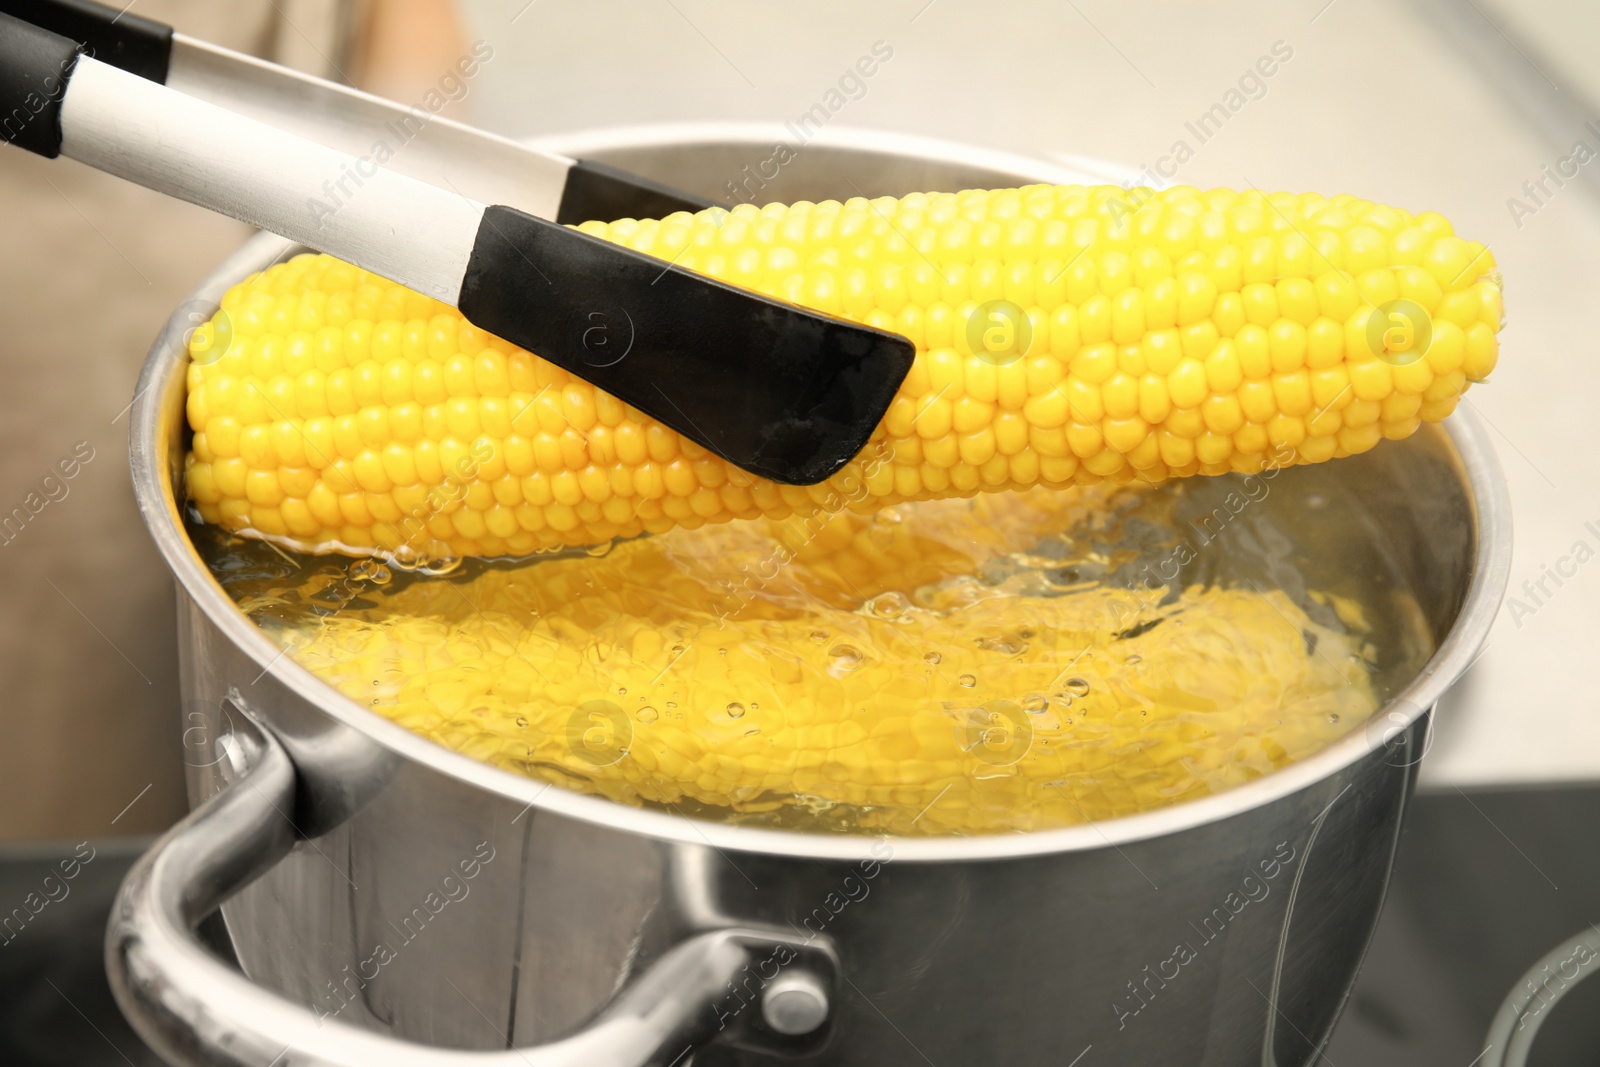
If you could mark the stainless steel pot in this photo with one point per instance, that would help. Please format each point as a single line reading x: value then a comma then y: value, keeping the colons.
x: 393, y: 902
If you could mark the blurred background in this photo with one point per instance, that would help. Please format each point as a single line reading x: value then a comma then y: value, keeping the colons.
x: 1465, y: 107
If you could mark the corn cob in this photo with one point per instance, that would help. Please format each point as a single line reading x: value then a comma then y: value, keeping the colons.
x: 871, y: 682
x: 1065, y: 335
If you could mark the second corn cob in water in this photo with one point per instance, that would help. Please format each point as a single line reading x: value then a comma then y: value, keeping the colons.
x: 1065, y: 335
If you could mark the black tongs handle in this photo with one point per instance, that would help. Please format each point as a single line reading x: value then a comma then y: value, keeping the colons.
x: 135, y: 44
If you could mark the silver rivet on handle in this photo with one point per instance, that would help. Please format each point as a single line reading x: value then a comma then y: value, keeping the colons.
x: 795, y: 1004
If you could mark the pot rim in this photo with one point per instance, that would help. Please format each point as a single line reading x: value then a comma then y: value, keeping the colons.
x: 154, y: 490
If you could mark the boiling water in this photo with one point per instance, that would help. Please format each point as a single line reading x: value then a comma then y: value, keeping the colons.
x: 1008, y: 663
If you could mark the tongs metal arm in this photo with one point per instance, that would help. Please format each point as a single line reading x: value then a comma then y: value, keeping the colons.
x: 410, y: 138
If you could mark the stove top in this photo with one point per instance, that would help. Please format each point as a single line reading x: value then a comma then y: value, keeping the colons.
x: 1487, y: 882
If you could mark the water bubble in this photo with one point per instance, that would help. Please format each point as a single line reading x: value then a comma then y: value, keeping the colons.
x: 998, y: 734
x: 819, y: 636
x: 1035, y: 703
x: 754, y: 706
x: 370, y: 570
x: 599, y: 550
x: 671, y: 704
x: 722, y: 652
x: 933, y: 659
x: 1005, y: 644
x: 753, y: 731
x: 1333, y: 717
x: 678, y: 650
x: 1064, y: 699
x: 647, y: 714
x: 1134, y: 660
x: 846, y: 658
x: 522, y: 722
x: 735, y: 710
x: 967, y: 681
x: 888, y: 605
x: 1077, y: 687
x: 622, y: 690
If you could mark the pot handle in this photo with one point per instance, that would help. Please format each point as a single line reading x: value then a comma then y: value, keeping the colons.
x: 197, y: 1011
x: 1517, y: 1022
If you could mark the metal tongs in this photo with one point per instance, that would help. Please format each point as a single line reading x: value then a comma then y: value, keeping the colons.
x: 469, y: 218
x: 486, y: 167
